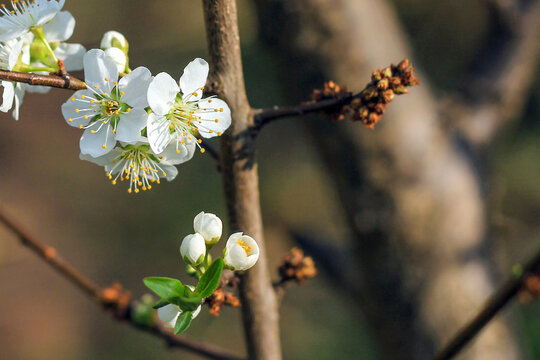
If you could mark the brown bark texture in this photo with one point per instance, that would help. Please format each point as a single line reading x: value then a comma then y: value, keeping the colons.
x: 240, y: 179
x: 412, y: 198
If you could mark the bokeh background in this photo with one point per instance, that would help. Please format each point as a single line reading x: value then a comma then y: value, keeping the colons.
x: 110, y: 235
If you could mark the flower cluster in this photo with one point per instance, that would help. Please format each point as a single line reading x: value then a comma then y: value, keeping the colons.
x: 32, y: 39
x: 135, y: 125
x: 179, y: 303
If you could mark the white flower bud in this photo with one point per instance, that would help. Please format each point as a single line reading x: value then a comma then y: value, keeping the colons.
x: 114, y: 39
x: 170, y: 313
x: 241, y: 252
x: 119, y: 58
x: 209, y: 226
x: 193, y: 249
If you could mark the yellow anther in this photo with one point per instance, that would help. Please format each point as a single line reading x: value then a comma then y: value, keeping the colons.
x: 210, y: 100
x: 122, y: 93
x: 217, y: 120
x: 210, y: 131
x: 73, y: 99
x: 221, y: 109
x: 128, y: 110
x: 215, y: 110
x: 103, y: 94
x: 80, y: 126
x: 83, y: 96
x: 139, y: 183
x: 203, y: 150
x: 70, y: 120
x: 92, y: 101
x: 244, y: 246
x: 96, y: 87
x: 144, y: 188
x: 218, y: 134
x: 106, y: 79
x: 199, y: 141
x: 104, y: 146
x: 159, y: 182
x: 114, y: 182
x: 177, y: 151
x: 86, y: 116
x: 77, y: 110
x: 149, y: 186
x: 171, y: 126
x: 83, y: 84
x: 160, y: 157
x: 129, y: 191
x: 93, y: 131
x: 136, y: 191
x: 164, y: 173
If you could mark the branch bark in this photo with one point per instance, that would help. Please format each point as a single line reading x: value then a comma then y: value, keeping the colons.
x: 240, y: 179
x: 99, y: 295
x: 68, y: 82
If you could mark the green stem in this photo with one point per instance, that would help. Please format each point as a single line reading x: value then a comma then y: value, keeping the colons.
x: 30, y: 68
x: 38, y: 32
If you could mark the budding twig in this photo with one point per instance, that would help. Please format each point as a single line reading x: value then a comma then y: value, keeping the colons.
x: 494, y: 304
x: 114, y: 297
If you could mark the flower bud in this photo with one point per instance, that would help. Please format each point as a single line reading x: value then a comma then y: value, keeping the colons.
x: 193, y: 249
x: 119, y: 58
x: 241, y: 252
x: 114, y: 39
x: 209, y: 226
x: 170, y: 313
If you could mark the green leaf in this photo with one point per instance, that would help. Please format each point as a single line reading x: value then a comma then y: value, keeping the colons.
x: 187, y: 303
x: 210, y: 279
x: 183, y: 322
x: 166, y: 288
x: 160, y: 303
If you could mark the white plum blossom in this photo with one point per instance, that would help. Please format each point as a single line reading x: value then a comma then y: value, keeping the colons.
x: 168, y: 314
x: 119, y: 58
x: 114, y: 39
x: 12, y: 97
x: 26, y: 14
x: 209, y: 226
x: 241, y: 252
x: 193, y: 249
x: 109, y: 110
x: 180, y: 112
x: 139, y: 166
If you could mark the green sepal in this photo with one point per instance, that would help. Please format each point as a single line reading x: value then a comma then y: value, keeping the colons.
x: 210, y: 279
x: 183, y: 322
x: 167, y: 288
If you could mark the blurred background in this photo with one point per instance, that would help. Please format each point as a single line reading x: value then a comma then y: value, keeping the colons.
x: 111, y: 235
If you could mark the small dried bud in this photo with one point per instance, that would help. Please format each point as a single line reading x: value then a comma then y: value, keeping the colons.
x: 400, y: 90
x: 387, y: 72
x: 404, y: 64
x: 383, y: 84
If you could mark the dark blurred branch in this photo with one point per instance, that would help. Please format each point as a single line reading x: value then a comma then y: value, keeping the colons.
x: 497, y: 301
x: 67, y: 82
x: 503, y: 75
x: 121, y: 309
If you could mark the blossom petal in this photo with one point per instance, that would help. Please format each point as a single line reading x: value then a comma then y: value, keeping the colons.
x: 48, y: 9
x: 168, y: 312
x: 72, y: 55
x: 19, y: 95
x: 185, y: 152
x: 16, y: 48
x: 130, y: 126
x: 135, y: 85
x: 104, y: 160
x: 158, y: 132
x: 170, y: 170
x: 193, y: 79
x: 69, y: 109
x: 162, y: 93
x: 60, y: 28
x: 214, y: 117
x: 99, y: 70
x: 93, y: 143
x: 7, y: 96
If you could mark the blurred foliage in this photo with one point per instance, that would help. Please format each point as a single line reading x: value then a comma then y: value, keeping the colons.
x: 111, y: 235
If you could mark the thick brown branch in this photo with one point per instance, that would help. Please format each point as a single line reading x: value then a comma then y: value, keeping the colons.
x: 497, y: 301
x: 100, y: 295
x: 68, y: 82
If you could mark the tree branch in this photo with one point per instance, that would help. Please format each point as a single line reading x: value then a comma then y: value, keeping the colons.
x: 68, y: 82
x: 240, y: 179
x: 497, y: 301
x: 102, y: 296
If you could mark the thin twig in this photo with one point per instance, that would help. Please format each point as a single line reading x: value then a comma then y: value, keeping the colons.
x: 264, y: 116
x: 497, y: 301
x: 68, y: 82
x: 98, y: 294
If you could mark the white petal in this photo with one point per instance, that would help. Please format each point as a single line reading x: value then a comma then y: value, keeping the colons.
x: 72, y: 55
x: 7, y: 96
x: 159, y: 135
x: 135, y: 86
x: 193, y: 79
x: 174, y: 157
x: 113, y: 36
x: 162, y: 93
x: 19, y: 95
x: 130, y: 126
x: 36, y: 89
x: 170, y: 170
x: 14, y: 54
x: 99, y: 70
x: 70, y: 107
x: 168, y: 312
x: 118, y: 57
x: 215, y: 117
x: 60, y: 28
x: 92, y: 144
x: 104, y: 160
x: 48, y: 10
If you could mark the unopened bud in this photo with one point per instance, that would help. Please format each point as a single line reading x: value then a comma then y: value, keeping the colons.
x: 209, y: 226
x: 119, y: 58
x: 114, y: 39
x: 193, y: 249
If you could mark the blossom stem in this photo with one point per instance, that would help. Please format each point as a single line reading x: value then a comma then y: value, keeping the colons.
x: 38, y: 32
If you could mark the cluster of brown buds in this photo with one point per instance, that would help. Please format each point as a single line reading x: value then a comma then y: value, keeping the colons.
x: 385, y: 84
x: 116, y: 299
x: 222, y: 296
x: 369, y: 105
x: 297, y: 267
